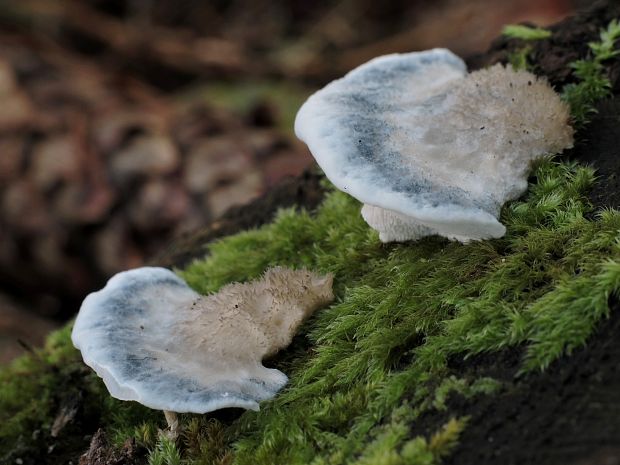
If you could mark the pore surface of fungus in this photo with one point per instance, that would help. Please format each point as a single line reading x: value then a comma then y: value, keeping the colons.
x: 428, y: 148
x: 154, y: 340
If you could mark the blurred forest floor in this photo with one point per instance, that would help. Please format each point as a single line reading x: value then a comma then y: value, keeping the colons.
x: 126, y: 123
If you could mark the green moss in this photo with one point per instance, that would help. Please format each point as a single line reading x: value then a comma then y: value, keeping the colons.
x: 465, y: 388
x: 35, y: 388
x: 165, y: 453
x: 363, y: 370
x: 26, y: 390
x: 519, y: 31
x: 519, y: 59
x: 593, y: 83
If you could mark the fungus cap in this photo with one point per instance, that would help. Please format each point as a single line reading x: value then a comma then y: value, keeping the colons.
x: 156, y: 341
x: 429, y: 148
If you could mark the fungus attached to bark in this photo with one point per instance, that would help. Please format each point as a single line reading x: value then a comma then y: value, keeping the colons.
x: 428, y: 148
x: 156, y: 341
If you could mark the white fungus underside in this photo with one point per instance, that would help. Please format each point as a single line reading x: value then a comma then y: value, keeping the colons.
x: 396, y: 227
x: 128, y: 333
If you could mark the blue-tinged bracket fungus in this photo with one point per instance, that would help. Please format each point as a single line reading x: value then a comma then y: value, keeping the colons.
x: 156, y: 341
x: 427, y: 147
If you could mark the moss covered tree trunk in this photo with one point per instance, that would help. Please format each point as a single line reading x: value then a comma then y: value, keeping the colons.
x: 502, y: 351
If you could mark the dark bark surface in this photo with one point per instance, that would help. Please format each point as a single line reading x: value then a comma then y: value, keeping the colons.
x: 570, y: 414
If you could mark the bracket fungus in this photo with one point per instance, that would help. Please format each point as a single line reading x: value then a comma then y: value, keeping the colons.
x: 156, y: 341
x: 427, y: 147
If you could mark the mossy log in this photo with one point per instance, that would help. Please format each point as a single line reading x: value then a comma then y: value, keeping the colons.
x: 502, y: 351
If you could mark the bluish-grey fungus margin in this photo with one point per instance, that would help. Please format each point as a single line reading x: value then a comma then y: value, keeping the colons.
x: 427, y: 147
x: 154, y: 340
